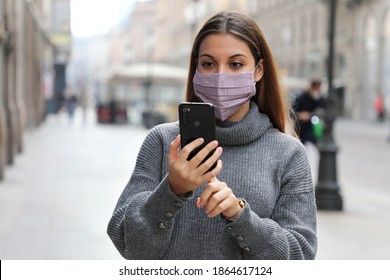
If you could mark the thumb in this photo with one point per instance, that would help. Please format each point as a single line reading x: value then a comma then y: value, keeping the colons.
x: 174, y: 150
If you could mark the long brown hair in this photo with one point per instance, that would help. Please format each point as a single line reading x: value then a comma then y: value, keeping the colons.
x: 270, y: 96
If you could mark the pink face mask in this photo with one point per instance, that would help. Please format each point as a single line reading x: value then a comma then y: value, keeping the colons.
x: 227, y: 92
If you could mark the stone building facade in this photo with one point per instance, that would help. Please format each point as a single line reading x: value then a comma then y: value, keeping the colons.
x: 297, y: 31
x: 28, y: 53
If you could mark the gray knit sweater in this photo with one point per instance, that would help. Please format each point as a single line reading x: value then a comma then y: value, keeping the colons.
x: 268, y: 169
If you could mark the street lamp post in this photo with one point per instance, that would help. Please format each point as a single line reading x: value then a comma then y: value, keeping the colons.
x: 327, y: 190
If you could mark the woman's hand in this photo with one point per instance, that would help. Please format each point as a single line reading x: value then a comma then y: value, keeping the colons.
x: 218, y: 198
x: 185, y: 176
x: 304, y: 116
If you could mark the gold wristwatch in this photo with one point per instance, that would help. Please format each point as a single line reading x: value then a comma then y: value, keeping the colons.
x: 242, y: 205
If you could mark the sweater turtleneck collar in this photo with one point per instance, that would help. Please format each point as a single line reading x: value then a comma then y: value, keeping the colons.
x: 249, y: 129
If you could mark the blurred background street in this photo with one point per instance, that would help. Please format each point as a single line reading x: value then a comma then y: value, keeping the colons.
x: 82, y: 82
x: 58, y: 197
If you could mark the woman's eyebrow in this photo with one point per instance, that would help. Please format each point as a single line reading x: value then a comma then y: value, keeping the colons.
x: 232, y: 56
x: 207, y: 55
x: 237, y: 55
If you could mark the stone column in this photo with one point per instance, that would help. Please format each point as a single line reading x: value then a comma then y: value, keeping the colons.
x: 20, y: 73
x: 3, y: 124
x: 10, y: 82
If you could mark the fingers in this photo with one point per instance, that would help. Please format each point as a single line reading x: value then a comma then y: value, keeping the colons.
x: 198, y: 203
x: 211, y: 160
x: 187, y: 149
x: 187, y: 175
x: 203, y: 159
x: 184, y: 175
x: 220, y: 202
x: 203, y: 153
x: 207, y: 176
x: 212, y: 187
x: 218, y: 198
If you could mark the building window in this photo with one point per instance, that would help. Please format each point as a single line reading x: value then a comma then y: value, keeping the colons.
x: 370, y: 44
x: 314, y: 28
x: 302, y: 30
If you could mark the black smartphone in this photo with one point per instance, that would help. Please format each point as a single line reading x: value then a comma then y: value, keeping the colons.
x: 197, y: 120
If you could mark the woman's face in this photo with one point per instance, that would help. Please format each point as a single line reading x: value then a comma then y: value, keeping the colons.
x: 225, y: 53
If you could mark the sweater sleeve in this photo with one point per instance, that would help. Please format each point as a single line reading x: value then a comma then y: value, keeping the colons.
x: 142, y: 222
x: 290, y: 233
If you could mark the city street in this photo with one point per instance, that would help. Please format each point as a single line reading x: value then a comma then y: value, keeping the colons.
x: 58, y: 196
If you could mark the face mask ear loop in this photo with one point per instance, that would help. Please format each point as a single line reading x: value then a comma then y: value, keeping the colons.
x: 254, y: 70
x: 258, y: 63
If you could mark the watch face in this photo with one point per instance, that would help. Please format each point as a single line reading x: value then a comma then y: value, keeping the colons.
x: 241, y: 202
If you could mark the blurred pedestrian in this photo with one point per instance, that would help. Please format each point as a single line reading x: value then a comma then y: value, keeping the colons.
x: 309, y: 107
x: 70, y: 103
x: 260, y: 204
x: 379, y: 108
x: 83, y: 102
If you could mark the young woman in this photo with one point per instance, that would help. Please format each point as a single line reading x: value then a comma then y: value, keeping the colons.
x: 258, y: 202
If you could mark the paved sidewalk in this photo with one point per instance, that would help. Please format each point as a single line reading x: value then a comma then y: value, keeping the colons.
x: 57, y: 198
x: 362, y: 229
x: 55, y: 202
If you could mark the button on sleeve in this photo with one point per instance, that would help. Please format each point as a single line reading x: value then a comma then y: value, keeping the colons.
x: 162, y: 226
x: 169, y: 215
x: 239, y: 238
x: 178, y: 204
x: 247, y: 249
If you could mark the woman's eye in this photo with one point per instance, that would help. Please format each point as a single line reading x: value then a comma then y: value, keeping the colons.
x: 207, y: 64
x: 236, y: 64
